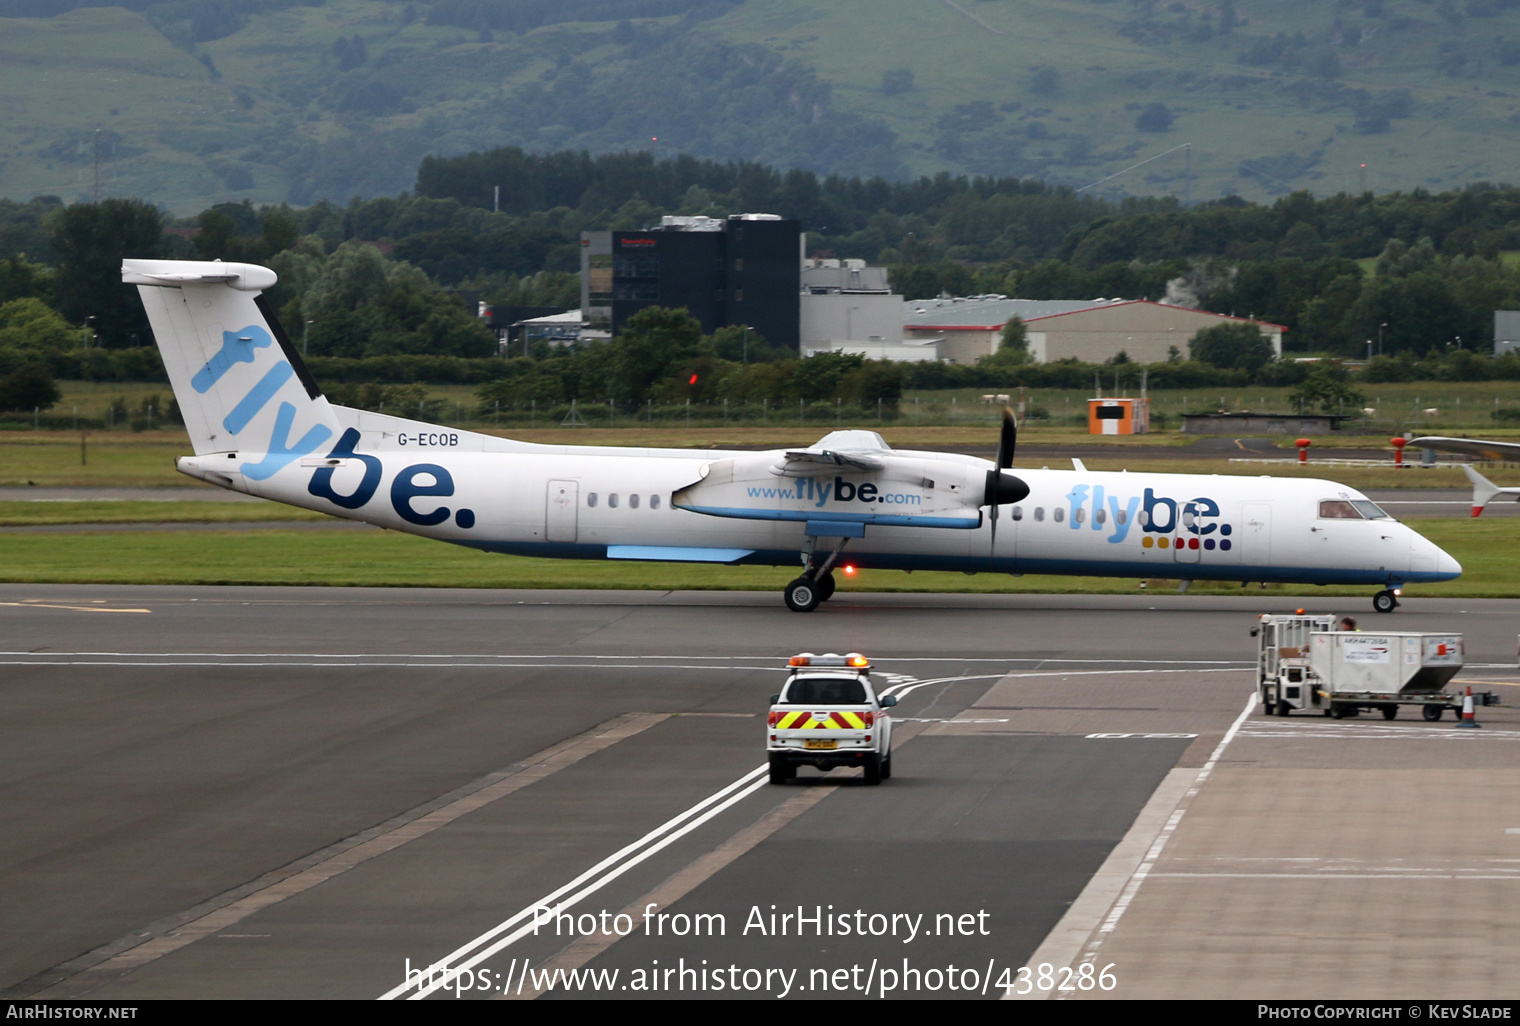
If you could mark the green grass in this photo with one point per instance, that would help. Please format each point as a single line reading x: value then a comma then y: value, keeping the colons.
x: 38, y: 514
x: 1486, y: 549
x: 125, y: 459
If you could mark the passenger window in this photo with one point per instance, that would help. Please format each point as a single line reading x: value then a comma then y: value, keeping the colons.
x: 1058, y: 514
x: 1121, y: 517
x: 591, y: 499
x: 654, y: 502
x: 1143, y: 518
x: 633, y: 502
x: 1100, y: 516
x: 1018, y: 513
x: 612, y: 500
x: 1080, y: 516
x: 1039, y: 512
x: 1338, y: 509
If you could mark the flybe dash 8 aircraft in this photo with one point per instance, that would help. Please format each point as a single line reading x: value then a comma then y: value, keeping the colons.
x: 260, y: 425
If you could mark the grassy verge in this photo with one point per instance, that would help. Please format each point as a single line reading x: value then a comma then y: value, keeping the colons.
x: 40, y: 514
x: 146, y: 459
x: 1486, y: 549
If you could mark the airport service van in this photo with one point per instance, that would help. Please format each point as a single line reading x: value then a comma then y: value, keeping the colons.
x: 1303, y: 662
x: 828, y: 715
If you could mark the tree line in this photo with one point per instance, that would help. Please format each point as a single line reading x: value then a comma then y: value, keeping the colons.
x: 1408, y: 277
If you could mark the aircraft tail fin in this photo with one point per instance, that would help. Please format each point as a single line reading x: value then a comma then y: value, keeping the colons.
x: 241, y: 385
x: 1484, y: 490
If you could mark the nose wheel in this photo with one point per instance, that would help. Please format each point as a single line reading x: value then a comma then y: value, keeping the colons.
x: 1384, y: 602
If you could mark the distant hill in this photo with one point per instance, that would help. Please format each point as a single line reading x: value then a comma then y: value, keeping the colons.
x: 190, y: 102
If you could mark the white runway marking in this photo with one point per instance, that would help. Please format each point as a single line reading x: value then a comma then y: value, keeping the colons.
x: 592, y: 880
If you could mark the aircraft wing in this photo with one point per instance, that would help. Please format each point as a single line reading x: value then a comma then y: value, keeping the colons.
x: 802, y: 462
x: 1479, y: 447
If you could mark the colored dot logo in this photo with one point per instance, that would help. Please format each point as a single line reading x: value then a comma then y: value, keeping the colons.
x: 1223, y: 545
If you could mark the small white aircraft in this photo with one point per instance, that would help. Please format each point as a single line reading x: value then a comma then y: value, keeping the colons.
x: 1484, y: 490
x: 260, y: 424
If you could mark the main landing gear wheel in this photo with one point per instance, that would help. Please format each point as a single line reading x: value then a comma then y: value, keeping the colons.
x: 1384, y: 602
x: 826, y: 586
x: 803, y: 596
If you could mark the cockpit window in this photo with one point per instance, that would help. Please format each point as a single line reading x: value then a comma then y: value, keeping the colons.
x: 821, y: 691
x: 1338, y: 509
x: 1351, y: 509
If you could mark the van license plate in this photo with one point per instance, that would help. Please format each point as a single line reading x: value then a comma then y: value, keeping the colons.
x: 820, y: 744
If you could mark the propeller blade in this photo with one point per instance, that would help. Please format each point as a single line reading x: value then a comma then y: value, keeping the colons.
x: 1003, y: 488
x: 1008, y: 438
x: 992, y: 546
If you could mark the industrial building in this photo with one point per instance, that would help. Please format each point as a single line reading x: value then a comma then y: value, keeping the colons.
x: 1093, y: 331
x: 739, y: 270
x: 849, y: 308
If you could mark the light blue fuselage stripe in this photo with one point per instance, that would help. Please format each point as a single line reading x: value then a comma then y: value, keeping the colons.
x: 258, y: 397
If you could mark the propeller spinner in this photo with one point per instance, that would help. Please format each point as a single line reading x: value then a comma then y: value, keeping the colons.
x: 1002, y: 488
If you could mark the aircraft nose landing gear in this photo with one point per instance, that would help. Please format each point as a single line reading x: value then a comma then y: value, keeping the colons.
x: 1386, y: 601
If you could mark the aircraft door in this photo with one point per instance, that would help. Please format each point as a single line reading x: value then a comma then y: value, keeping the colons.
x: 560, y: 506
x: 1256, y: 533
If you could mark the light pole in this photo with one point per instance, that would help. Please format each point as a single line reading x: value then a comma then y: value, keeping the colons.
x: 305, y: 337
x: 1380, y: 337
x: 1369, y: 349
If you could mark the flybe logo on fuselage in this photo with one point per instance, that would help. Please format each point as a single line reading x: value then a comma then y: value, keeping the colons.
x: 1090, y: 507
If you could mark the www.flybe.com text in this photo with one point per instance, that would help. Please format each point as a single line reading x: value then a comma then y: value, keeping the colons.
x: 840, y: 490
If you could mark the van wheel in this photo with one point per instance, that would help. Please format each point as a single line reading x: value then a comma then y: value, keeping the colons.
x: 886, y: 767
x: 1433, y: 712
x: 1337, y: 711
x: 1282, y: 708
x: 1390, y: 712
x: 873, y: 769
x: 781, y: 770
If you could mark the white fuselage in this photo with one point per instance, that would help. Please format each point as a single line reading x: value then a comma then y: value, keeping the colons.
x: 596, y: 502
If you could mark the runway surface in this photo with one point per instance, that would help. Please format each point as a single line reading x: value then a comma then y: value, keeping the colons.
x: 242, y: 792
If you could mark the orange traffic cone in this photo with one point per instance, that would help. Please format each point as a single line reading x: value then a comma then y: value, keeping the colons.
x: 1467, y: 712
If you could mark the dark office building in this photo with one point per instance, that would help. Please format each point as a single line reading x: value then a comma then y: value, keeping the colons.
x: 742, y: 270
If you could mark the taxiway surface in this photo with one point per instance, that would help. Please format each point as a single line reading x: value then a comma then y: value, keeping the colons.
x: 242, y: 792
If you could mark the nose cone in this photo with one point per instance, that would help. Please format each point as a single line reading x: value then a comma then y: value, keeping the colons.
x: 1429, y: 562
